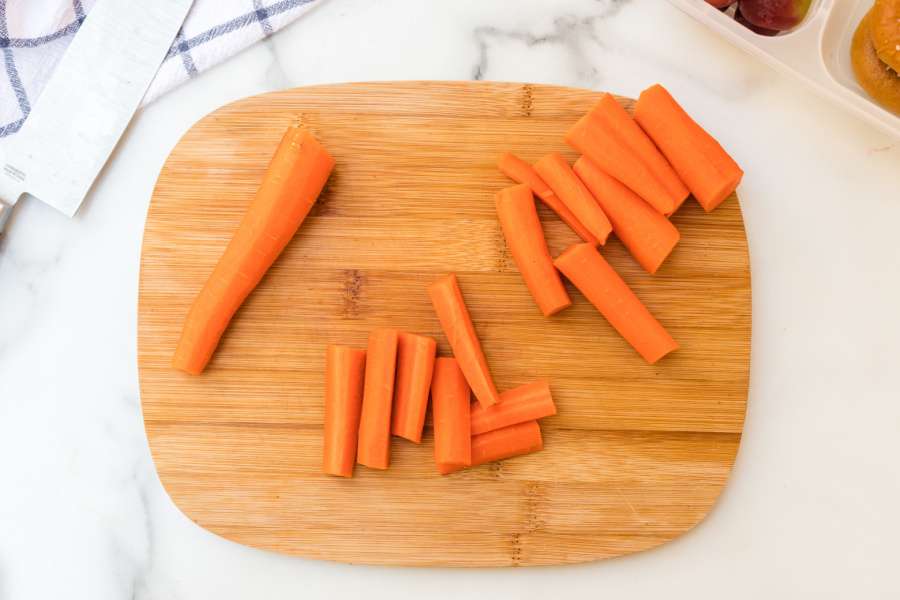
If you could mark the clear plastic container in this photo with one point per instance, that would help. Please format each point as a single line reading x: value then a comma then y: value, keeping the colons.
x: 817, y: 51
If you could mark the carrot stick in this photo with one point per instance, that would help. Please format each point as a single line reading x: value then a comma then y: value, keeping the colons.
x: 415, y: 361
x: 648, y: 235
x: 457, y: 325
x: 293, y: 180
x: 617, y: 120
x: 344, y: 369
x: 525, y: 238
x: 595, y: 141
x: 554, y: 169
x: 600, y: 284
x: 709, y: 172
x: 521, y: 172
x: 450, y: 408
x: 374, y: 450
x: 527, y: 402
x: 500, y: 444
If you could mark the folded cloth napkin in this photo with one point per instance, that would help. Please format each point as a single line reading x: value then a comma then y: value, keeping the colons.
x: 35, y: 33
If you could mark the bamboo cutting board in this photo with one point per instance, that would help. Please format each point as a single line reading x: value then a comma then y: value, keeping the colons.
x: 636, y: 456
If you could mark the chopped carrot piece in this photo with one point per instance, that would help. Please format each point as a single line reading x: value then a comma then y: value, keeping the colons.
x: 344, y: 369
x: 648, y: 235
x: 554, y: 169
x: 457, y: 325
x: 450, y: 408
x: 500, y: 444
x: 527, y: 402
x: 709, y: 172
x: 525, y: 238
x: 374, y: 450
x: 415, y: 362
x: 600, y: 284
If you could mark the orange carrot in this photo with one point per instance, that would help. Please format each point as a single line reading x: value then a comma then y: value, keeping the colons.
x: 500, y: 444
x: 525, y: 238
x: 521, y: 172
x: 709, y: 172
x: 617, y: 120
x: 344, y: 369
x: 648, y: 235
x: 457, y: 325
x: 415, y: 361
x: 527, y: 402
x: 293, y: 180
x: 450, y: 409
x: 374, y: 450
x: 600, y: 284
x: 562, y: 180
x: 595, y: 141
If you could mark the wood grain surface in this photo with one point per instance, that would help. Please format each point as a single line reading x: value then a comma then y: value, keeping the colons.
x: 636, y: 456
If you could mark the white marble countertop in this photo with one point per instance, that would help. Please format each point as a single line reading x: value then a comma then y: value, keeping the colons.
x: 811, y: 509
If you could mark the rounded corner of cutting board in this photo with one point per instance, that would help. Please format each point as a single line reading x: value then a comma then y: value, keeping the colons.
x: 638, y: 454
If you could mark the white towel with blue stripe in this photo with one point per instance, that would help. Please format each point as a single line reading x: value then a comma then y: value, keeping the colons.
x: 35, y: 33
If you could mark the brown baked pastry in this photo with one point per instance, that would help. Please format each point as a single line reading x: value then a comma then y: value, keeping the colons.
x: 884, y: 25
x: 876, y: 77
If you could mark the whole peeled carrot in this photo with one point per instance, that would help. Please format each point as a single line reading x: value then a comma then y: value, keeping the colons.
x: 374, y: 448
x: 619, y: 123
x: 293, y: 181
x: 525, y: 239
x: 415, y: 363
x: 592, y: 139
x: 600, y: 284
x: 450, y: 409
x: 500, y: 444
x: 521, y: 172
x: 648, y: 235
x: 709, y: 172
x: 344, y: 371
x: 457, y: 325
x: 554, y: 169
x: 527, y: 402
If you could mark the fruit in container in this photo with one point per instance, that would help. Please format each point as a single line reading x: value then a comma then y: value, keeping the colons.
x: 740, y: 18
x: 777, y: 15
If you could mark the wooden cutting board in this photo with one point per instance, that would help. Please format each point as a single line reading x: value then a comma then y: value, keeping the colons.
x: 636, y: 456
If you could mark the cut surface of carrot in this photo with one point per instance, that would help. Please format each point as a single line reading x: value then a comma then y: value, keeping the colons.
x: 453, y: 315
x: 521, y: 172
x: 292, y: 183
x: 500, y: 444
x: 527, y: 402
x: 374, y: 449
x: 648, y: 235
x: 555, y: 170
x: 700, y: 161
x: 450, y: 409
x: 595, y: 141
x: 525, y: 240
x: 606, y: 290
x: 415, y: 362
x: 617, y: 120
x: 344, y: 372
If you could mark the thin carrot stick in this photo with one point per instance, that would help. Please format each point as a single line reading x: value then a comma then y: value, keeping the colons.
x: 521, y: 172
x: 415, y: 362
x: 554, y: 169
x: 527, y: 402
x: 457, y: 325
x: 295, y: 177
x: 374, y: 450
x: 617, y: 120
x: 709, y: 172
x: 648, y: 235
x: 500, y: 444
x: 450, y: 408
x: 600, y: 284
x: 344, y: 370
x: 525, y: 239
x: 596, y: 142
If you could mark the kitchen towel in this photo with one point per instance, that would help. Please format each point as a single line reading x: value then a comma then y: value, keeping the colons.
x: 35, y: 33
